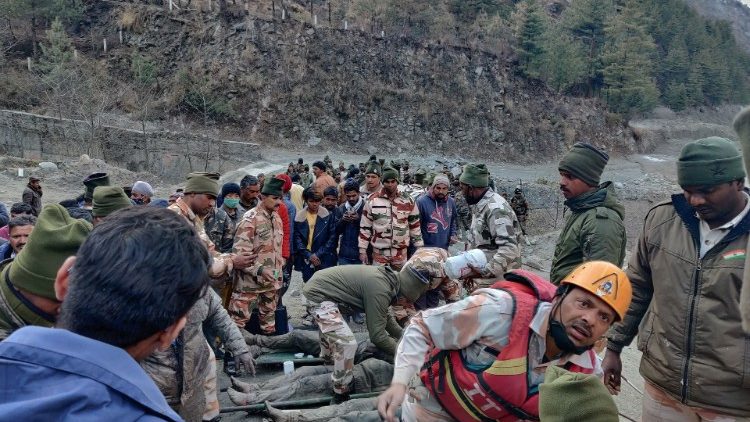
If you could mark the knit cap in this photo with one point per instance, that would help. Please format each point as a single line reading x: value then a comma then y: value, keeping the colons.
x: 573, y: 397
x: 390, y: 173
x: 92, y: 181
x: 200, y: 182
x: 373, y: 167
x: 585, y: 162
x: 475, y: 175
x: 230, y: 187
x: 440, y: 179
x: 287, y: 182
x: 55, y: 237
x: 273, y: 187
x: 108, y: 199
x: 708, y: 162
x: 143, y: 188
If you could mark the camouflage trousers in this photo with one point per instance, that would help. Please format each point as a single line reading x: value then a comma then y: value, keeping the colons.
x: 403, y: 310
x: 210, y: 389
x: 337, y: 343
x: 355, y: 410
x: 242, y: 303
x: 395, y: 258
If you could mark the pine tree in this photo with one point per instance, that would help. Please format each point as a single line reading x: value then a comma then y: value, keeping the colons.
x: 586, y: 19
x: 57, y: 50
x: 628, y: 58
x: 530, y: 41
x: 564, y: 62
x: 675, y: 96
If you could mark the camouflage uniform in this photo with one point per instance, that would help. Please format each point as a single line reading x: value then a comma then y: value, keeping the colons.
x: 463, y: 211
x: 520, y: 207
x: 413, y: 190
x: 304, y: 179
x: 221, y: 264
x: 431, y: 261
x: 220, y: 229
x: 495, y: 230
x: 259, y: 232
x: 369, y: 375
x: 389, y: 226
x: 337, y: 344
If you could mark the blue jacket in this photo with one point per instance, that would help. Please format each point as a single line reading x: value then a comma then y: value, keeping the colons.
x: 438, y: 220
x: 292, y: 212
x: 53, y: 374
x: 349, y: 232
x: 5, y: 251
x: 323, y: 244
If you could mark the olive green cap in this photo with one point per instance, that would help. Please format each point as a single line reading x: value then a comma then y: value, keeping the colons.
x: 108, y: 199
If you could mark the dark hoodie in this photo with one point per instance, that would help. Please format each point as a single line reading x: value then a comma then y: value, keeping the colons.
x: 593, y: 231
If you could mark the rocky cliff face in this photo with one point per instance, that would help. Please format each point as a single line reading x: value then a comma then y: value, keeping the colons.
x: 292, y: 84
x: 733, y: 11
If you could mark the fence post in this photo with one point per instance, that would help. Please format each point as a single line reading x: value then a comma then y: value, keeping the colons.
x: 104, y: 42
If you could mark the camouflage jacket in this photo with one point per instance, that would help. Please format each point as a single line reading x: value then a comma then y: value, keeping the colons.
x: 190, y: 353
x: 221, y: 264
x: 220, y: 229
x: 463, y: 211
x: 519, y: 205
x: 389, y: 223
x: 431, y: 262
x: 495, y: 229
x: 259, y: 232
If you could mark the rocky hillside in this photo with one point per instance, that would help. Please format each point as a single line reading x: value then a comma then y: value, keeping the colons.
x: 292, y: 84
x: 728, y: 10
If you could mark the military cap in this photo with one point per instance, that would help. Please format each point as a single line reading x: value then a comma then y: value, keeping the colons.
x: 273, y: 187
x: 200, y: 182
x: 108, y: 199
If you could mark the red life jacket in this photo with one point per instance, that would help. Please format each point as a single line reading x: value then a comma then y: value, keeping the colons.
x: 502, y: 391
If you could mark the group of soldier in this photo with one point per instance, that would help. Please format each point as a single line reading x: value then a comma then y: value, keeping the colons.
x: 465, y: 337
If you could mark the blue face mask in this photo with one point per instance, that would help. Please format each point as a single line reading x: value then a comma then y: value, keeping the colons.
x: 231, y: 202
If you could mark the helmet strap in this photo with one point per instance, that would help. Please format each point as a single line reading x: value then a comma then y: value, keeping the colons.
x: 557, y: 328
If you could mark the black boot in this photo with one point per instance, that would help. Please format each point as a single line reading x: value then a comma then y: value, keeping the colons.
x: 229, y: 366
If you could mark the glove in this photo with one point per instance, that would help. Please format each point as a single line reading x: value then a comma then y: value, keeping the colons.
x: 245, y: 360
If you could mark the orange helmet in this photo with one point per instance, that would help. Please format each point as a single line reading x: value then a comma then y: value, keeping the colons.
x: 605, y: 280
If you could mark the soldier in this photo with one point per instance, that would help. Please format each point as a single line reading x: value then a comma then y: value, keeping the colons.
x: 368, y: 289
x: 305, y: 179
x: 417, y: 189
x: 372, y: 175
x: 32, y: 195
x: 484, y: 357
x: 390, y: 223
x: 220, y: 229
x: 494, y: 227
x: 108, y: 199
x: 260, y: 232
x: 199, y: 197
x: 520, y: 207
x: 594, y: 229
x: 27, y: 295
x: 405, y: 173
x: 300, y: 167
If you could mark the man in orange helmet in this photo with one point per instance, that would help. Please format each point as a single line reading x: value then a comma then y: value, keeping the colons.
x: 490, y: 367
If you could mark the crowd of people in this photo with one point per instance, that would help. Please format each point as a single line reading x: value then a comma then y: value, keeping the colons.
x: 147, y: 293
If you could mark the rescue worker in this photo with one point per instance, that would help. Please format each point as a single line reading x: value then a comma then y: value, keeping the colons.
x: 742, y: 127
x: 108, y: 199
x: 482, y: 358
x: 520, y: 206
x: 372, y: 175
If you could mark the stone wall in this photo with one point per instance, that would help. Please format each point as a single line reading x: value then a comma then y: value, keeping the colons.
x: 167, y: 154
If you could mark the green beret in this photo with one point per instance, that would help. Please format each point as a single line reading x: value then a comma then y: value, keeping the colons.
x: 708, y: 162
x: 273, y: 187
x: 572, y: 397
x: 92, y: 181
x: 585, y: 162
x: 201, y: 182
x: 475, y: 175
x: 108, y: 199
x: 373, y: 167
x: 55, y: 237
x: 390, y: 173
